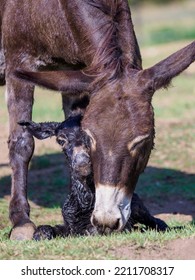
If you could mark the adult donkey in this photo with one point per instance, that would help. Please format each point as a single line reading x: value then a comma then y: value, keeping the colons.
x: 97, y: 38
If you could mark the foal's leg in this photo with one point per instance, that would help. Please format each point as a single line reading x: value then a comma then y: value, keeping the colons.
x: 48, y: 232
x: 21, y: 146
x: 140, y: 214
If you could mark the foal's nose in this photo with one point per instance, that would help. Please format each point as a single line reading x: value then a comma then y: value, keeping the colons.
x: 81, y: 160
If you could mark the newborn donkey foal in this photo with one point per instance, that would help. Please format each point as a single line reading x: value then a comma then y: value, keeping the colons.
x: 79, y: 205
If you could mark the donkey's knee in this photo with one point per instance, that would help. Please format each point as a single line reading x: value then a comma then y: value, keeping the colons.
x: 21, y: 147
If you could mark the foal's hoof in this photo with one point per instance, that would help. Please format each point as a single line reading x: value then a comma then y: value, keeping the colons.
x: 44, y: 232
x: 24, y: 232
x: 161, y: 225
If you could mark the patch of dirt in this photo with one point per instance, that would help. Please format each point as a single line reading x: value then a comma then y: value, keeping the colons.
x: 179, y: 249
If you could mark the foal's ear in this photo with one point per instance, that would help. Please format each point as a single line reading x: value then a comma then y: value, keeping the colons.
x: 40, y: 130
x: 161, y: 74
x: 73, y: 82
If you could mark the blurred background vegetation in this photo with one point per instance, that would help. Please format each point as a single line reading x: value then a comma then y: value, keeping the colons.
x: 163, y: 21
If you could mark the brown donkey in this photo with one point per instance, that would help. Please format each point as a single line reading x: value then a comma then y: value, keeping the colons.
x: 94, y: 41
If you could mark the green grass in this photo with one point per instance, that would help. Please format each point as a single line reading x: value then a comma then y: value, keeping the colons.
x: 98, y: 247
x: 164, y: 183
x: 167, y: 34
x: 178, y: 101
x: 162, y: 24
x: 45, y: 108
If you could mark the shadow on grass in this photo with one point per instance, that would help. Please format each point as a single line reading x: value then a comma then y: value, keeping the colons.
x: 163, y: 189
x: 167, y: 191
x: 48, y: 181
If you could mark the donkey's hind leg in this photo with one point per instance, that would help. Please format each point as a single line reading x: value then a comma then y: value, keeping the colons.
x: 74, y: 105
x: 21, y: 146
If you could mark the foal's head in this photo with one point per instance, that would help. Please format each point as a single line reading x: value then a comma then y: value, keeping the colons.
x: 69, y: 135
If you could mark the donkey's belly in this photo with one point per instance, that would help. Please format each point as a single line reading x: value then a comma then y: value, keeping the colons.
x: 39, y: 29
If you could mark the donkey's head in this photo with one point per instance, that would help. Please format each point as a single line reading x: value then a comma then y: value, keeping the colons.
x: 120, y: 123
x: 69, y: 135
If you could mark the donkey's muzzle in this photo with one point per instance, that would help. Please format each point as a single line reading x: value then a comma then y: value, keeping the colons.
x: 112, y: 209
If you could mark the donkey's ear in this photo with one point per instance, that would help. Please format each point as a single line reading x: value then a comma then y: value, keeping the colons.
x: 40, y: 130
x: 161, y: 74
x: 73, y: 82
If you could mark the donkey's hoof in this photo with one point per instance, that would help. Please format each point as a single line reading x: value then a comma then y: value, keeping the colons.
x: 24, y: 232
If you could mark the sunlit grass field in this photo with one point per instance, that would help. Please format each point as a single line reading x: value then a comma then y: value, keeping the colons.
x: 170, y: 174
x: 90, y: 248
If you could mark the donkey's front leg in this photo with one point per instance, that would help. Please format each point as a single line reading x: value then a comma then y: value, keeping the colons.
x: 21, y: 146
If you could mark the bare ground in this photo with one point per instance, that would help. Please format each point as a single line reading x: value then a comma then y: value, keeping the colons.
x: 179, y: 249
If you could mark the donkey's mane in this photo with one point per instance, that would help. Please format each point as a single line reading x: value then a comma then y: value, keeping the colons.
x: 108, y: 60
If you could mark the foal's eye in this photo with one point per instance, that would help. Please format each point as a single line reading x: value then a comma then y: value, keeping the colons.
x: 62, y: 141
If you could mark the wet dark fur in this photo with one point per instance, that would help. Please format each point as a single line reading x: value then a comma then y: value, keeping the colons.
x: 79, y: 205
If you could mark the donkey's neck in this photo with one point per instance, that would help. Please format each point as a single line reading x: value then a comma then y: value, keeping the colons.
x: 106, y: 40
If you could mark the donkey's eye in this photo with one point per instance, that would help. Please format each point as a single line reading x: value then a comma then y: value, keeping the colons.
x: 137, y: 142
x: 137, y: 145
